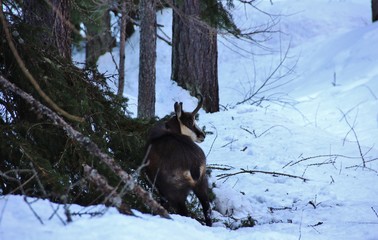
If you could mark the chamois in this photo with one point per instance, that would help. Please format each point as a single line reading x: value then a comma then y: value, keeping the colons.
x: 176, y: 165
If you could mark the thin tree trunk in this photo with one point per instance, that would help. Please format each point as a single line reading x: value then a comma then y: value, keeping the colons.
x: 374, y: 8
x: 121, y: 78
x: 61, y: 27
x: 147, y: 59
x: 195, y: 54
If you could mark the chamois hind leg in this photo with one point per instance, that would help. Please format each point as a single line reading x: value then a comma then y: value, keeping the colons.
x: 201, y: 191
x: 180, y: 208
x: 176, y: 200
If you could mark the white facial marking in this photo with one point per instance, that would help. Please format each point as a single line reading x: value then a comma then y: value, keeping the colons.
x: 186, y: 131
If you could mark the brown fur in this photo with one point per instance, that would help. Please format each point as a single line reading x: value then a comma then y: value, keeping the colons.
x: 177, y: 165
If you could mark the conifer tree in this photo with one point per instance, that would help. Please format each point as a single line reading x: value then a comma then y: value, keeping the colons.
x: 195, y: 53
x: 147, y: 59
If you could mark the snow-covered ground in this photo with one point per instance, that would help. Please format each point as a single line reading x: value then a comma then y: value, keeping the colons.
x: 303, y: 129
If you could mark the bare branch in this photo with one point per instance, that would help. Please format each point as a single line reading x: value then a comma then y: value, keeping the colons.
x: 226, y: 175
x: 320, y: 156
x: 220, y: 167
x: 357, y: 141
x: 270, y: 80
x: 375, y: 212
x: 253, y: 132
x: 32, y: 209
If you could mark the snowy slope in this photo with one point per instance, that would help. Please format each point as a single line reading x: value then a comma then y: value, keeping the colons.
x: 301, y: 131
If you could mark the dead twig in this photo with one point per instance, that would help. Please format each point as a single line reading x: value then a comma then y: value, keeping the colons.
x: 243, y: 171
x: 320, y: 156
x: 375, y: 212
x: 229, y: 143
x: 221, y: 167
x: 253, y: 132
x: 32, y: 209
x: 355, y: 136
x: 212, y: 144
x: 270, y: 80
x: 55, y: 210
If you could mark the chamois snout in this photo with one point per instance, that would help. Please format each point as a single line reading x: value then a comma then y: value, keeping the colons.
x: 200, y: 136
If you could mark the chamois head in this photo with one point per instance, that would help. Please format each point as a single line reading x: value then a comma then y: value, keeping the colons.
x: 185, y: 122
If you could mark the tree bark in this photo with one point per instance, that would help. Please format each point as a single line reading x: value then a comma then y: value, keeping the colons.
x: 374, y: 8
x: 53, y: 18
x: 121, y: 74
x: 147, y: 59
x: 195, y: 53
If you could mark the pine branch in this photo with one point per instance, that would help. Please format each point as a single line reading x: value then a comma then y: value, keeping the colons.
x: 30, y: 77
x: 89, y: 145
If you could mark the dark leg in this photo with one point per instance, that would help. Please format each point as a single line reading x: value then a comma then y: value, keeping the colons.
x: 176, y: 200
x: 180, y: 208
x: 201, y: 191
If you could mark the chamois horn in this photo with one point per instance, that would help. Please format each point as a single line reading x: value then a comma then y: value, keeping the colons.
x: 200, y: 101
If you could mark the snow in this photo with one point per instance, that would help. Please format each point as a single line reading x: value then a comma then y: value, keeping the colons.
x: 303, y: 130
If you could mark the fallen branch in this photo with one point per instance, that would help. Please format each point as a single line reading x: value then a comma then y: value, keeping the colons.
x: 253, y: 132
x: 112, y: 196
x: 319, y: 156
x: 222, y: 167
x: 242, y: 171
x: 33, y: 211
x: 90, y: 146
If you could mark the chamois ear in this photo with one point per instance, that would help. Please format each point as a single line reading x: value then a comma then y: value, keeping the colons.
x: 178, y: 109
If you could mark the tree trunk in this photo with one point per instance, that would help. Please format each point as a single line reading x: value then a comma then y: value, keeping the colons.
x: 374, y: 8
x: 147, y: 59
x: 122, y: 45
x: 53, y: 18
x: 195, y: 54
